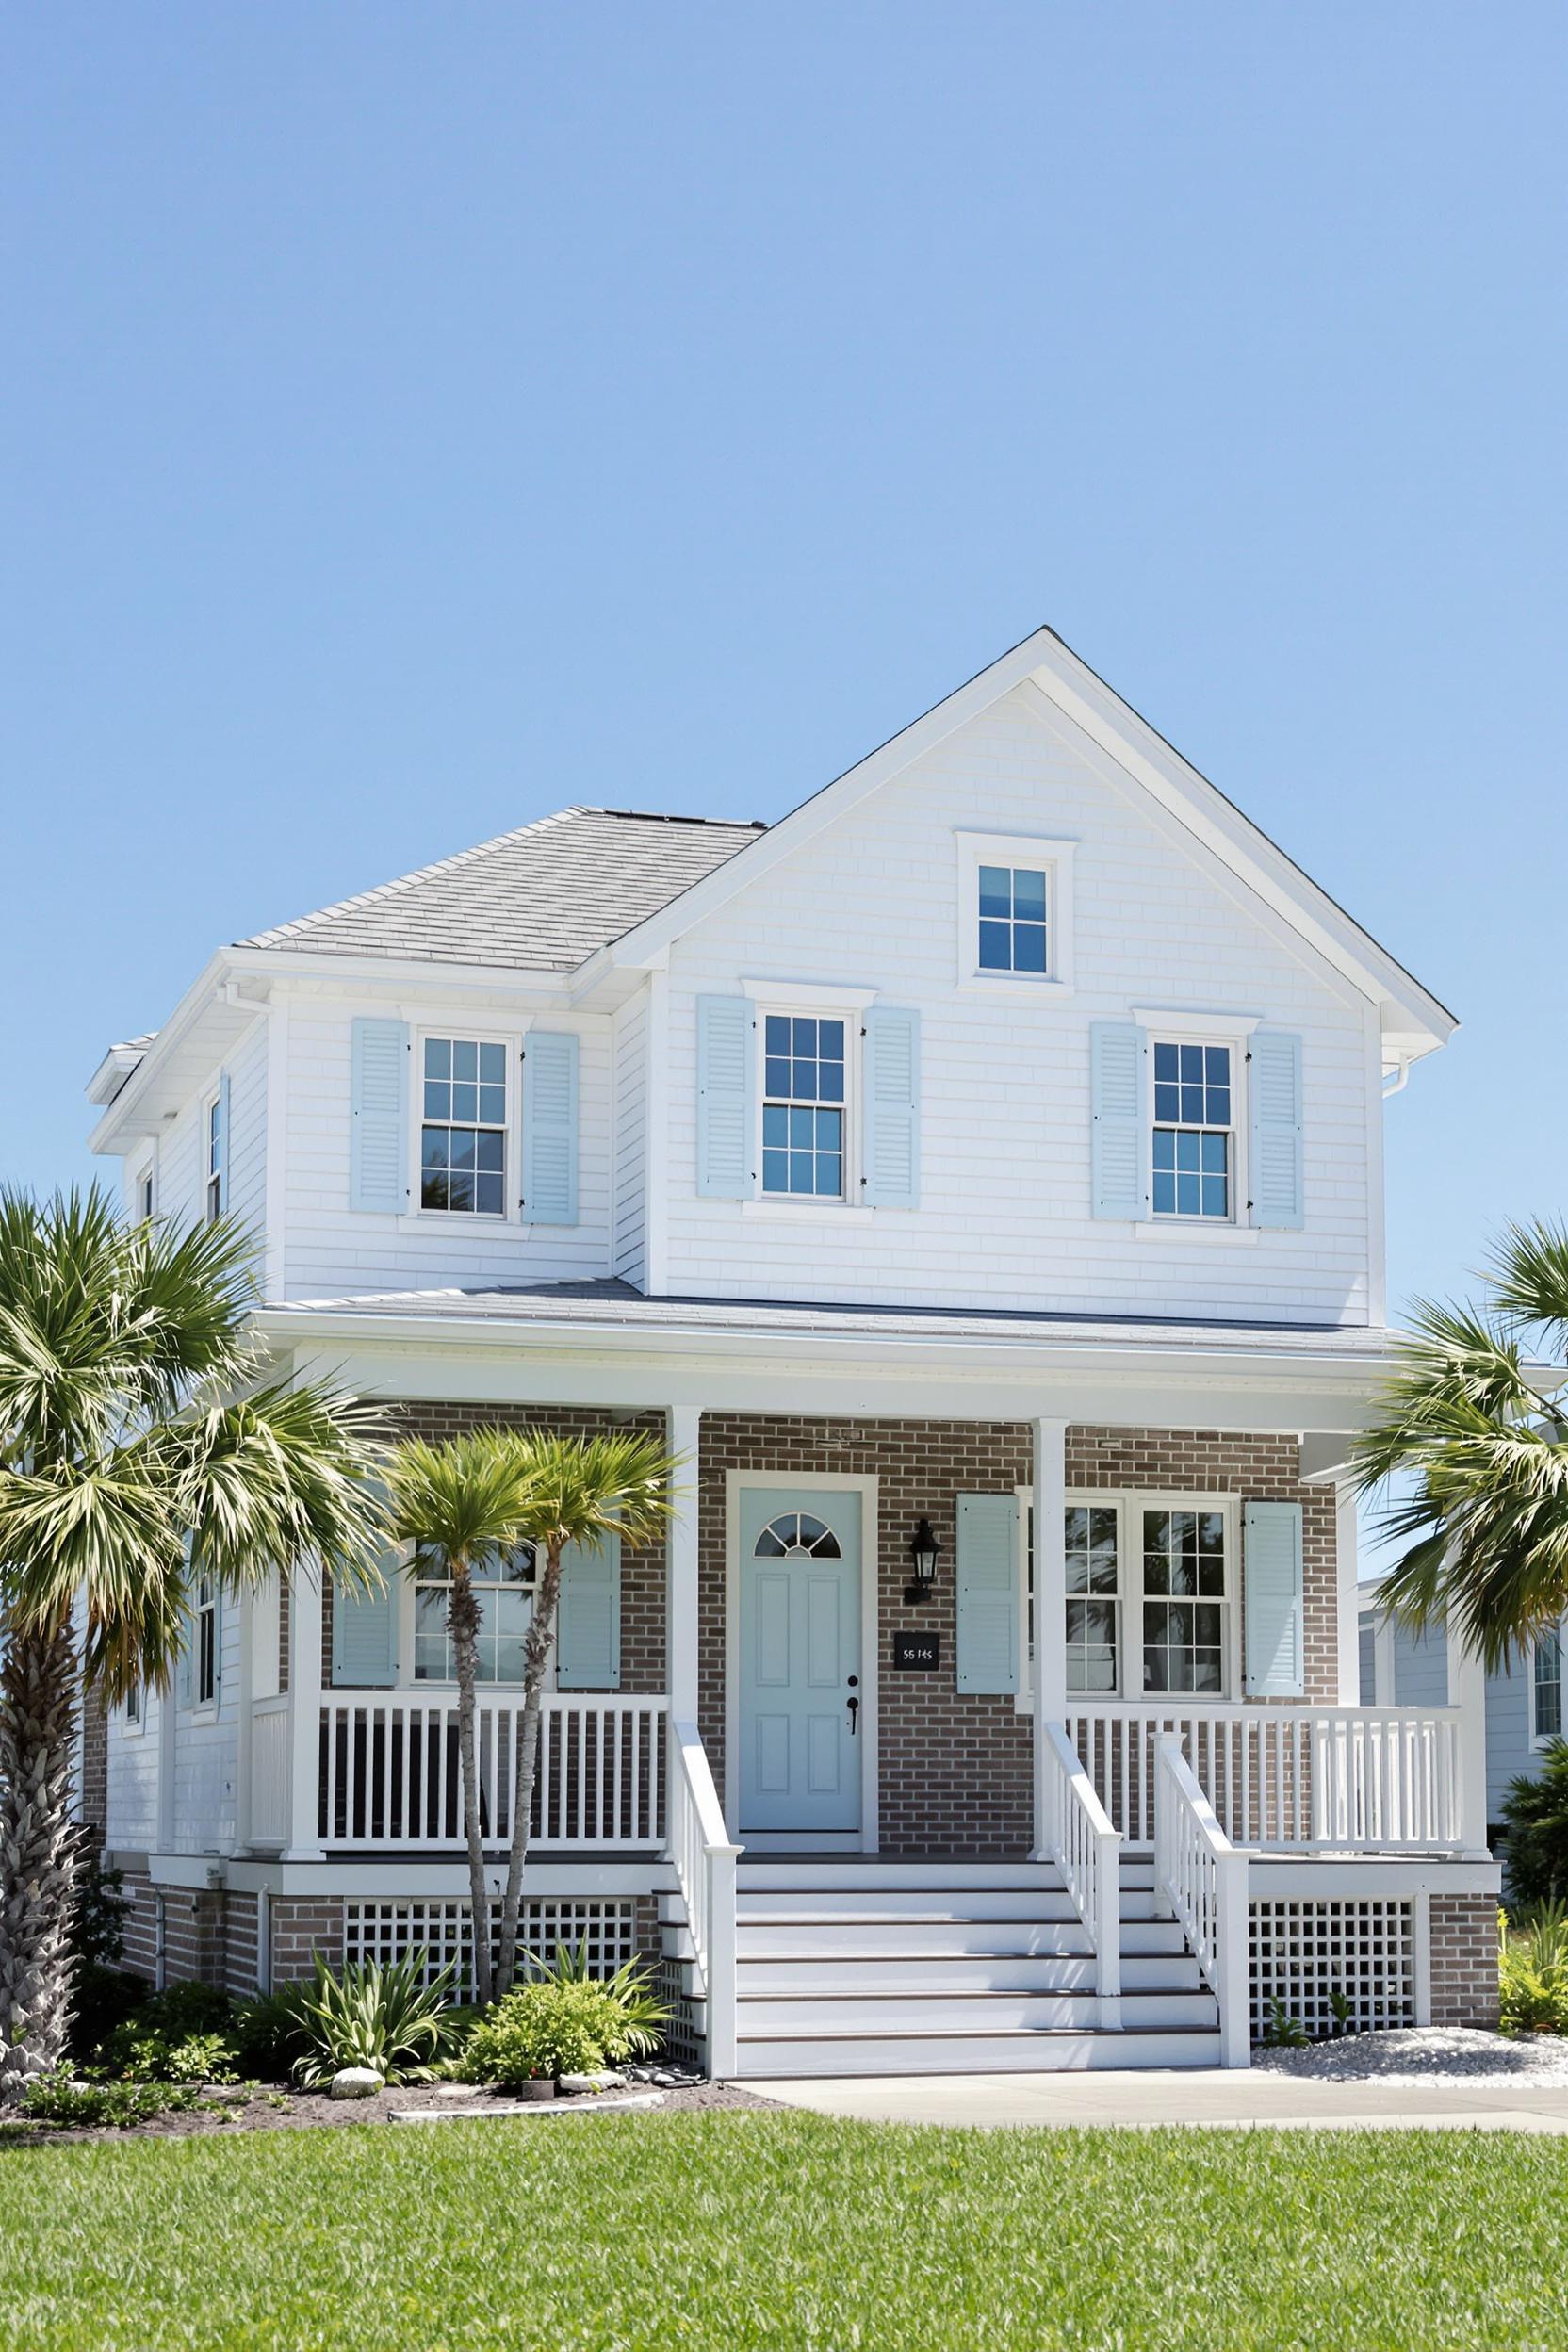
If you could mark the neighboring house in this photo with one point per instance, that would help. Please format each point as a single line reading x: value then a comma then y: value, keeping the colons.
x: 977, y: 1177
x: 1522, y: 1708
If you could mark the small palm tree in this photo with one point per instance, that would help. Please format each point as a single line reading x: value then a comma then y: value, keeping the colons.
x: 463, y: 1506
x: 582, y: 1492
x: 139, y: 1452
x: 1471, y: 1431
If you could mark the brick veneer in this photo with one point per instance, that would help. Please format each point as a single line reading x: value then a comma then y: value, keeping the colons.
x: 1465, y: 1959
x: 92, y: 1792
x: 956, y: 1767
x: 641, y: 1573
x: 303, y: 1925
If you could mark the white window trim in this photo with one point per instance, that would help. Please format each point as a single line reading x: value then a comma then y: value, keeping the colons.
x: 1190, y: 1028
x: 206, y: 1710
x: 143, y: 1169
x: 811, y: 1003
x: 132, y: 1727
x: 467, y: 1220
x: 1540, y: 1740
x: 1125, y: 1500
x: 211, y: 1097
x: 1055, y: 857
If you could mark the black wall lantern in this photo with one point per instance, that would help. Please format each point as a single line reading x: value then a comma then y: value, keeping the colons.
x: 925, y: 1545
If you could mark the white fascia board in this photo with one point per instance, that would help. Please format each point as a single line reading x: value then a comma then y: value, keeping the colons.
x: 401, y: 976
x: 114, y: 1126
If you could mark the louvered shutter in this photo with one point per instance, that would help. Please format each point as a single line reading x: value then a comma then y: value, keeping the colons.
x: 986, y: 1597
x: 891, y: 1089
x: 365, y: 1635
x: 726, y: 1082
x: 1119, y: 1149
x: 588, y: 1635
x: 1272, y: 1600
x: 550, y: 1128
x: 378, y: 1148
x: 1275, y: 1178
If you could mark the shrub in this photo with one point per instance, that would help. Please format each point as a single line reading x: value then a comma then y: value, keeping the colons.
x: 57, y: 2099
x: 182, y: 2035
x: 566, y: 2022
x: 387, y: 2020
x: 1535, y: 1831
x: 267, y: 2033
x: 1532, y: 1972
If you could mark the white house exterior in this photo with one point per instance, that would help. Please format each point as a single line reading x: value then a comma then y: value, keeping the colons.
x: 990, y: 1150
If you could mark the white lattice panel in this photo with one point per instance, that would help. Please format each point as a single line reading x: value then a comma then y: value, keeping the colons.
x: 1305, y: 1952
x: 386, y: 1930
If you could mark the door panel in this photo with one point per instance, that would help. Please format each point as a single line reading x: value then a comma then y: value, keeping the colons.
x: 799, y: 1646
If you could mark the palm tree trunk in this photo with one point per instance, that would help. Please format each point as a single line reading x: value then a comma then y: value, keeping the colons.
x: 463, y: 1624
x: 40, y: 1852
x: 536, y: 1657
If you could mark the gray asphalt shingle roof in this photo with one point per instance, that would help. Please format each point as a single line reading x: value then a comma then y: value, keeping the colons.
x: 540, y: 899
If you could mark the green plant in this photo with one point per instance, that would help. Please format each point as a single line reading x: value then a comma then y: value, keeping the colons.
x: 1532, y: 1971
x: 197, y: 2058
x: 182, y: 2035
x: 1283, y: 2032
x: 1339, y: 2008
x: 266, y: 2031
x: 564, y: 2022
x: 1534, y: 1820
x: 54, y: 2097
x: 386, y: 2019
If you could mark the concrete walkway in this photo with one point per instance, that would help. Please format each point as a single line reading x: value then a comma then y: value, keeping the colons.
x: 1234, y: 2101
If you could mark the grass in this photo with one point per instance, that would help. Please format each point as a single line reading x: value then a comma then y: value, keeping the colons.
x: 741, y: 2230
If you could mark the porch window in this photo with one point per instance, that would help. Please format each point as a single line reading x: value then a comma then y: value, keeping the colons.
x: 1183, y: 1600
x: 1137, y: 1578
x: 1194, y: 1148
x: 505, y: 1596
x: 1548, y: 1687
x: 1093, y: 1612
x: 803, y: 1106
x: 462, y: 1126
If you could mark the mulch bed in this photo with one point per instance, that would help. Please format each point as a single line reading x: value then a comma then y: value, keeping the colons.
x: 313, y: 2110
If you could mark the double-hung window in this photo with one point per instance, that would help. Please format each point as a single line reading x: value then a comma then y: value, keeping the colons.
x: 803, y: 1106
x: 1148, y: 1597
x: 204, y: 1643
x: 1194, y: 1130
x: 505, y: 1595
x: 1546, y: 1692
x: 463, y: 1126
x: 215, y: 1152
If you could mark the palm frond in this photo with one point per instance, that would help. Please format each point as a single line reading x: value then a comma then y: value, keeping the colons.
x: 1528, y: 1275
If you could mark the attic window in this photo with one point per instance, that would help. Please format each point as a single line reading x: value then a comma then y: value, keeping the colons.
x: 1014, y: 915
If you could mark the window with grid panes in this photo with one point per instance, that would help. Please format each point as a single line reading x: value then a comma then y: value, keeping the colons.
x: 803, y: 1106
x: 204, y: 1643
x: 1193, y: 1142
x: 1548, y: 1687
x: 463, y: 1127
x: 505, y: 1592
x: 1014, y: 921
x: 216, y: 1173
x: 1092, y: 1581
x: 1183, y: 1600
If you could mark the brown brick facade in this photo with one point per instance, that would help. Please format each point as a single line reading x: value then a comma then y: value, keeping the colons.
x: 1464, y: 1960
x: 954, y: 1768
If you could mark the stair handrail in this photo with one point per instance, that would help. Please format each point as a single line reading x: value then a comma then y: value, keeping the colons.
x: 1200, y: 1881
x: 1078, y: 1835
x: 705, y: 1859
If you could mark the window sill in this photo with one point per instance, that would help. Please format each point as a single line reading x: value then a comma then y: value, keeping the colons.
x: 459, y: 1221
x: 1016, y: 987
x: 1193, y: 1228
x: 810, y: 1212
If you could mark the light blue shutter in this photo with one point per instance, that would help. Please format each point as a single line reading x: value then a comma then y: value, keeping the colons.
x: 1275, y: 1074
x: 1271, y: 1600
x: 892, y: 1083
x: 377, y: 1118
x: 1117, y: 1089
x: 550, y: 1128
x: 365, y: 1635
x: 726, y: 1079
x: 988, y: 1595
x: 588, y: 1635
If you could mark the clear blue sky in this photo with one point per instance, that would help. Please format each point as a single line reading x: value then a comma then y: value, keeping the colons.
x: 421, y: 418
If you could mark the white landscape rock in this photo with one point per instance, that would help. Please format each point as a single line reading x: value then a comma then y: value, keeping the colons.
x: 1428, y: 2053
x: 355, y: 2082
x: 603, y: 2080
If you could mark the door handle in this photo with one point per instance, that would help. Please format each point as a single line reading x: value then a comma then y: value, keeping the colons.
x: 853, y: 1705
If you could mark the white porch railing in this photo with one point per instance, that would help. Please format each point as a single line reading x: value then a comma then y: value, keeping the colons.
x: 1200, y: 1880
x: 1338, y: 1779
x: 270, y: 1771
x: 705, y: 1865
x: 389, y: 1773
x: 1079, y: 1837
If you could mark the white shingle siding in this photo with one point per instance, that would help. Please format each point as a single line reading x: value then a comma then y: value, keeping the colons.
x: 1004, y: 1102
x: 133, y: 1775
x: 630, y: 1260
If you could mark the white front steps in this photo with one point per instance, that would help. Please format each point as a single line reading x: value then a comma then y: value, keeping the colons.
x: 856, y: 1964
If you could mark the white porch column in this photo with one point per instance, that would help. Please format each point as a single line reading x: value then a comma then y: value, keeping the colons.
x: 1049, y: 1688
x: 1347, y: 1539
x: 682, y: 1432
x: 304, y: 1714
x: 1467, y: 1691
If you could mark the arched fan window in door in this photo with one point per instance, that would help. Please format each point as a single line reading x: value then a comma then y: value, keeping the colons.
x: 795, y: 1532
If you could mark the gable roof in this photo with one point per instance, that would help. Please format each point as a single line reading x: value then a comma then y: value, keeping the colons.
x: 540, y: 899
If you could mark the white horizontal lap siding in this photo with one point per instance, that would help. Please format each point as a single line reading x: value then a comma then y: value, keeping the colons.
x: 246, y: 1074
x: 334, y: 1249
x: 1004, y: 1179
x: 133, y: 1777
x: 631, y: 1083
x: 206, y: 1754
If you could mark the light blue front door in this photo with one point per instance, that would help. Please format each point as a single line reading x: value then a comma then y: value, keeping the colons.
x: 800, y: 1662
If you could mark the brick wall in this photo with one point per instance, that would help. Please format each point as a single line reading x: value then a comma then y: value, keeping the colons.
x: 303, y: 1925
x: 1465, y: 1959
x: 955, y: 1768
x: 94, y: 1792
x: 641, y: 1573
x: 196, y: 1935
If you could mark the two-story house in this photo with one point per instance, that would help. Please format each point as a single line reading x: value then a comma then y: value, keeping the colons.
x: 977, y: 1176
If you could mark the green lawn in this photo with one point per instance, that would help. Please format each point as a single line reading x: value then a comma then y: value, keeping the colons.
x: 738, y: 2230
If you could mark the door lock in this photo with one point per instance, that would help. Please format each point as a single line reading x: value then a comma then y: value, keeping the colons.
x: 853, y: 1704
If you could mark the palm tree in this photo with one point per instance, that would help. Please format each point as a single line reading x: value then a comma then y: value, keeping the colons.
x: 1474, y: 1446
x: 140, y: 1450
x: 582, y: 1492
x: 463, y: 1507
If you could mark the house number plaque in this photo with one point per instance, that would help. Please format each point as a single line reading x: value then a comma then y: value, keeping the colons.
x: 917, y: 1653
